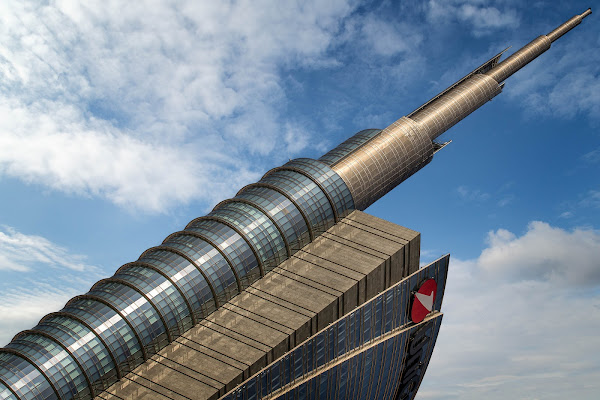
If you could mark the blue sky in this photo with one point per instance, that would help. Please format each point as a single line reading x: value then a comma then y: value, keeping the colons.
x: 121, y: 122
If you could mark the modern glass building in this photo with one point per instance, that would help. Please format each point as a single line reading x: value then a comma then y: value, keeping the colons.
x: 285, y: 291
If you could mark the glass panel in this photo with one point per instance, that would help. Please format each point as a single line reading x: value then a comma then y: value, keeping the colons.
x: 138, y: 311
x: 55, y: 362
x: 165, y: 297
x: 24, y: 379
x: 6, y: 394
x: 115, y: 332
x: 283, y: 211
x: 187, y: 276
x: 210, y: 261
x: 332, y: 183
x: 307, y: 195
x: 84, y: 345
x: 233, y: 245
x: 258, y: 229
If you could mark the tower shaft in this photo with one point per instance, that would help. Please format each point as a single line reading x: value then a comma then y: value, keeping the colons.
x: 383, y: 161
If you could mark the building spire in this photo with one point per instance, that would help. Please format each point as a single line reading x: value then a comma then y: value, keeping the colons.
x: 383, y: 161
x: 532, y: 50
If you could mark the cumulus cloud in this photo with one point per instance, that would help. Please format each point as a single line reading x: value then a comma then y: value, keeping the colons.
x: 133, y: 102
x: 544, y: 253
x: 521, y: 319
x: 482, y: 17
x: 39, y: 276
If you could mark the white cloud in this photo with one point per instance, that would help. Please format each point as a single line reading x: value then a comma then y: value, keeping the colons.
x: 21, y: 252
x: 544, y: 253
x: 22, y: 308
x: 591, y: 199
x: 134, y: 102
x: 483, y: 18
x: 593, y: 156
x: 521, y: 320
x: 468, y: 194
x: 39, y: 277
x: 506, y: 200
x: 388, y: 39
x: 566, y: 214
x: 53, y: 145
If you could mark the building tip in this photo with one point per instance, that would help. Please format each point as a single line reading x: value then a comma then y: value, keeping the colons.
x: 586, y: 13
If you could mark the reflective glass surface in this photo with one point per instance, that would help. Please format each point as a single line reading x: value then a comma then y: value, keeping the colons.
x: 307, y: 195
x: 85, y: 346
x: 55, y: 362
x: 348, y: 146
x: 330, y: 181
x: 187, y: 276
x: 210, y: 261
x: 6, y: 394
x: 233, y: 245
x: 24, y: 379
x: 283, y: 211
x: 165, y: 297
x: 113, y: 329
x: 137, y: 310
x: 257, y: 228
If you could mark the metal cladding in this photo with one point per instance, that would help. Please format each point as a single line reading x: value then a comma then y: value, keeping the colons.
x: 379, y: 165
x: 389, y: 157
x: 101, y: 336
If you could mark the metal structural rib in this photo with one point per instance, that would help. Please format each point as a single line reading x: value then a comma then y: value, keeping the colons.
x: 100, y: 337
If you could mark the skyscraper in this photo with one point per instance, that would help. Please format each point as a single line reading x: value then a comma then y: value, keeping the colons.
x: 287, y: 290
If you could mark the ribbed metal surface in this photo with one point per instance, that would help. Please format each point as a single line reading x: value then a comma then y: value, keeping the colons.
x: 519, y: 59
x: 380, y: 164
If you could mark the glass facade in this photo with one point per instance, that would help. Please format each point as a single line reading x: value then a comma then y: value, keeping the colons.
x: 233, y: 245
x: 211, y: 262
x: 99, y: 337
x: 54, y: 363
x: 359, y: 338
x: 283, y: 211
x: 85, y: 346
x: 187, y: 276
x: 109, y: 326
x: 6, y: 394
x: 373, y: 372
x: 329, y: 181
x: 307, y: 194
x: 257, y: 228
x: 24, y: 379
